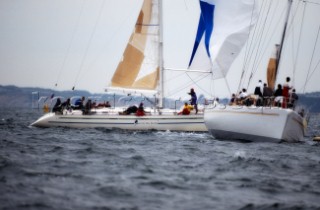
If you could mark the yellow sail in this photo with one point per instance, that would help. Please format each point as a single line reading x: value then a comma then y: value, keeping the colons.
x: 271, y: 73
x: 272, y: 69
x: 148, y: 82
x: 135, y: 71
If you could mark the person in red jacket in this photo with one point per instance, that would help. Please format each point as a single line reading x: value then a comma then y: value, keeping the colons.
x: 140, y: 111
x: 285, y: 92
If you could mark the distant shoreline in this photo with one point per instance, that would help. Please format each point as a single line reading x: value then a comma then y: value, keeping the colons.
x: 13, y: 96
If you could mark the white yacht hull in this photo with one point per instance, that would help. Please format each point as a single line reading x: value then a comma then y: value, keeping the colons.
x: 254, y: 123
x: 112, y: 120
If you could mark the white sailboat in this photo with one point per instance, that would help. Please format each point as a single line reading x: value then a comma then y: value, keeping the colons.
x: 135, y: 73
x: 256, y: 123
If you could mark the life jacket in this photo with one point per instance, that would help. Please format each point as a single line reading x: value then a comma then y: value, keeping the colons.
x: 185, y: 111
x: 140, y: 113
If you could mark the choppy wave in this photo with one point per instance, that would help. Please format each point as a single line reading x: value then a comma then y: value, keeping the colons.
x: 61, y: 168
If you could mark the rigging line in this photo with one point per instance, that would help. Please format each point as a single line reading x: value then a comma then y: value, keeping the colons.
x: 258, y: 40
x: 262, y: 41
x: 228, y: 86
x: 176, y: 78
x: 192, y: 81
x: 200, y: 78
x: 187, y: 85
x: 262, y: 37
x: 290, y: 25
x: 315, y: 68
x: 310, y: 2
x: 265, y: 42
x: 259, y: 46
x: 180, y: 87
x: 295, y: 58
x: 70, y: 43
x: 248, y: 47
x: 271, y: 37
x: 126, y: 19
x: 88, y: 45
x: 251, y: 47
x: 261, y: 25
x: 314, y: 49
x: 212, y: 87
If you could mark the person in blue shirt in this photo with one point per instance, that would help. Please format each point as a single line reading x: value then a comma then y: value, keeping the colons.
x: 79, y: 103
x: 193, y: 100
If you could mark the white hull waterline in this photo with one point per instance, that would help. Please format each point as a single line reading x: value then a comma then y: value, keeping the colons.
x: 110, y: 119
x: 271, y: 124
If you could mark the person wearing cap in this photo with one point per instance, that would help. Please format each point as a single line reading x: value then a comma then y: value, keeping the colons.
x: 193, y: 100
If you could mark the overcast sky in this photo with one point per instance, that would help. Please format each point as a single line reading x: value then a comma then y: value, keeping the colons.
x: 76, y: 42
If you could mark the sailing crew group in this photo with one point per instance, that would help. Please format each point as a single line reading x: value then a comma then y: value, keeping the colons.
x: 284, y: 96
x: 79, y: 104
x: 87, y: 105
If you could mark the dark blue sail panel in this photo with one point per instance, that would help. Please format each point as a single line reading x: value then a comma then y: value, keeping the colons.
x: 205, y: 26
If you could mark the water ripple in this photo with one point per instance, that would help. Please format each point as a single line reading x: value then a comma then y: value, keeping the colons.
x: 62, y: 168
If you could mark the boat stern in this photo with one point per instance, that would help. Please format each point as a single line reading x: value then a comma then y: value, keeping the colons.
x: 294, y: 129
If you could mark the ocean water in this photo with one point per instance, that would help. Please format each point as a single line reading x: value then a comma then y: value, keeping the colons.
x: 61, y: 168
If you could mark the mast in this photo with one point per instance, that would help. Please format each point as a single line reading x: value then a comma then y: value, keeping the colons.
x: 161, y: 75
x: 283, y: 35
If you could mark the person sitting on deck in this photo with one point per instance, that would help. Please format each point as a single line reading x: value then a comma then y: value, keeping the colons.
x: 186, y: 109
x: 107, y: 104
x: 140, y: 111
x: 278, y: 96
x: 66, y: 105
x: 292, y: 99
x: 233, y: 100
x: 129, y: 110
x: 216, y: 101
x: 87, y: 108
x: 267, y: 94
x: 244, y: 99
x: 258, y: 94
x: 79, y: 104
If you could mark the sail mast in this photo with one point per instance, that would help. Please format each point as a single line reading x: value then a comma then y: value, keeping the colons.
x: 161, y: 79
x: 283, y: 35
